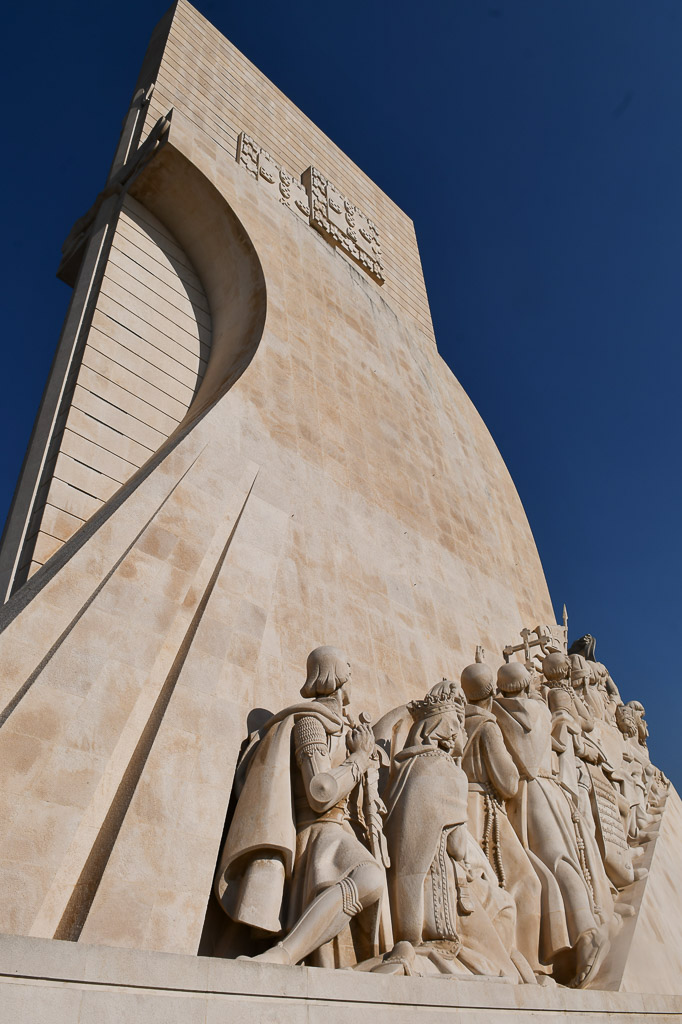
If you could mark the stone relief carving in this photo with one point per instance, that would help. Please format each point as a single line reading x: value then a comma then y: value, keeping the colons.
x: 317, y: 201
x: 491, y: 827
x: 450, y: 915
x: 541, y: 640
x: 493, y: 779
x: 343, y: 224
x: 284, y: 186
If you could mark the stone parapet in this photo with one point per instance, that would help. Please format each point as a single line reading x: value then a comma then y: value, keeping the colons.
x: 44, y: 981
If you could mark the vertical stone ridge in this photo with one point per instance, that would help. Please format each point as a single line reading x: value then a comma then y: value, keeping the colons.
x: 74, y: 330
x: 78, y: 906
x: 26, y: 686
x: 61, y: 373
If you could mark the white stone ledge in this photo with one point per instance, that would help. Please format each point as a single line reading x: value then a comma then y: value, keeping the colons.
x: 72, y: 983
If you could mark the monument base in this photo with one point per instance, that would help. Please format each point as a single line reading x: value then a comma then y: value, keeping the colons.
x: 45, y: 981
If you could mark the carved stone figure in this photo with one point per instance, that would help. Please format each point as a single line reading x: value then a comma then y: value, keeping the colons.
x: 445, y: 899
x: 642, y: 727
x: 655, y: 781
x: 574, y: 938
x: 503, y: 839
x: 493, y: 779
x: 392, y: 729
x: 658, y: 788
x: 601, y: 691
x: 633, y: 770
x: 607, y: 689
x: 592, y: 794
x: 602, y: 757
x: 292, y: 863
x: 570, y: 716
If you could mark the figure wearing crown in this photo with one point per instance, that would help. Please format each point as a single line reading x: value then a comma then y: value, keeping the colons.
x: 449, y: 914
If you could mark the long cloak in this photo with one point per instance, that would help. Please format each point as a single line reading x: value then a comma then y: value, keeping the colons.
x: 544, y: 820
x: 258, y: 857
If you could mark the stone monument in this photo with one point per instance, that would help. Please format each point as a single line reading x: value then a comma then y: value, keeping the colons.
x: 250, y: 458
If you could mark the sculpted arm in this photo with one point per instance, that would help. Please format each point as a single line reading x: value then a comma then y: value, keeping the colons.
x: 583, y: 714
x: 612, y: 689
x: 326, y: 786
x: 502, y: 771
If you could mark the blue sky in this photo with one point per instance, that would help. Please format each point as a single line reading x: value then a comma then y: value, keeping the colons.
x: 537, y: 144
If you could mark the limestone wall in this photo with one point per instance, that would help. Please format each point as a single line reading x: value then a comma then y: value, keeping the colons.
x: 654, y: 951
x: 329, y: 483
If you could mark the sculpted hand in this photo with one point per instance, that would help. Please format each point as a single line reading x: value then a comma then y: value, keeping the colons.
x: 360, y: 743
x: 380, y: 807
x: 591, y: 755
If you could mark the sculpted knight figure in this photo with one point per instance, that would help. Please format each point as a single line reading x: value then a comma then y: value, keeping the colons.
x: 445, y: 901
x: 292, y: 863
x: 574, y: 937
x: 494, y: 779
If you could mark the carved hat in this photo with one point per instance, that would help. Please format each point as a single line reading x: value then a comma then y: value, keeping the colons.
x: 513, y: 678
x: 478, y: 681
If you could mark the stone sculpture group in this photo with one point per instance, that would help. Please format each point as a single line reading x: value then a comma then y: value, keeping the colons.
x: 489, y: 828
